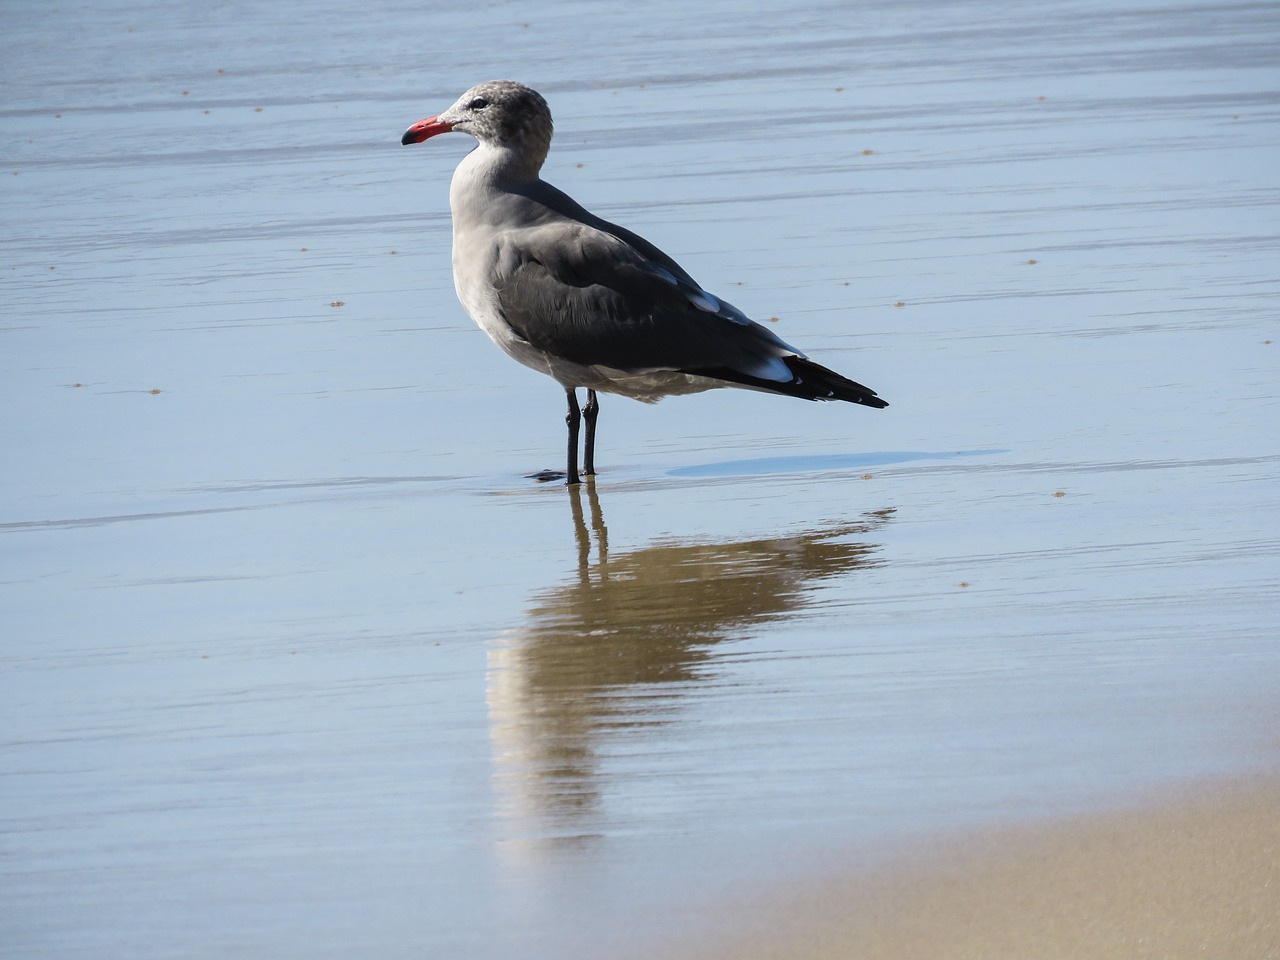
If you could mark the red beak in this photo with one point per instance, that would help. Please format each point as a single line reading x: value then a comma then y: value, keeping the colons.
x: 425, y: 129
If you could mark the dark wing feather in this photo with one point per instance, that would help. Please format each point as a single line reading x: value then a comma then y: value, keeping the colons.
x: 557, y: 206
x: 586, y: 295
x: 811, y: 381
x: 579, y: 287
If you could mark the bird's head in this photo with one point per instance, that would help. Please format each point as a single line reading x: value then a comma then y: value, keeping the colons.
x: 501, y: 112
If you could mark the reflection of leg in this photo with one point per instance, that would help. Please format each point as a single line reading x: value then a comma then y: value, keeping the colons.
x: 597, y: 524
x: 574, y: 420
x: 589, y: 414
x: 580, y: 535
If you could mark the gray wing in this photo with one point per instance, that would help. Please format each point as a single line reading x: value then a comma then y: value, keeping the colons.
x: 581, y: 292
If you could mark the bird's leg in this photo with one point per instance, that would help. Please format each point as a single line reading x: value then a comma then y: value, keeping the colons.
x: 574, y: 420
x: 590, y: 411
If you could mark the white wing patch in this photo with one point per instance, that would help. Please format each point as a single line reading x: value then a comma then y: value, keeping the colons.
x: 706, y: 302
x: 769, y: 368
x: 662, y: 272
x: 703, y: 300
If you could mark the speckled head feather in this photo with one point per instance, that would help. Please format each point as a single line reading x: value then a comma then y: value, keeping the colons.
x: 503, y: 113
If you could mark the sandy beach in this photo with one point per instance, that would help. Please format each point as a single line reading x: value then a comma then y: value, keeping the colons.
x: 1193, y: 874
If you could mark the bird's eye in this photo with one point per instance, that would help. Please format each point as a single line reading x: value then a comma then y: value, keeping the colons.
x: 479, y: 103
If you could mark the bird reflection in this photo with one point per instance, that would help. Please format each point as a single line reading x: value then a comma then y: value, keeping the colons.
x: 625, y: 640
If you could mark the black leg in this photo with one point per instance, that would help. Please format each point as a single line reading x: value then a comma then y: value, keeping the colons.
x: 574, y: 420
x: 589, y: 413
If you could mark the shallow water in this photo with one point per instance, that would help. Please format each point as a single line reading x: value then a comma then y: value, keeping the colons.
x: 298, y: 663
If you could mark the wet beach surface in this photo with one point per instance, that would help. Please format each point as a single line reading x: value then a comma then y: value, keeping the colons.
x: 298, y: 663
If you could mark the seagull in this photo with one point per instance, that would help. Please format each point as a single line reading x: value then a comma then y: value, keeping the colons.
x: 585, y: 301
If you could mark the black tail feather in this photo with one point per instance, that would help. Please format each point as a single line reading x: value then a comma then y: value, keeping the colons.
x: 812, y: 381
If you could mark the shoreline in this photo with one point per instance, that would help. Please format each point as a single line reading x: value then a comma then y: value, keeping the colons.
x: 1191, y: 872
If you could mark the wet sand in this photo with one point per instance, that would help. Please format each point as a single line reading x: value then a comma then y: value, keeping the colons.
x: 299, y: 664
x: 1196, y: 874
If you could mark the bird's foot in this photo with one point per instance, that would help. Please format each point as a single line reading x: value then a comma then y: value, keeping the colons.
x: 546, y: 476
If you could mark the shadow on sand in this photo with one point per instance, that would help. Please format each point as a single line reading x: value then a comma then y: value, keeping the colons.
x: 821, y: 463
